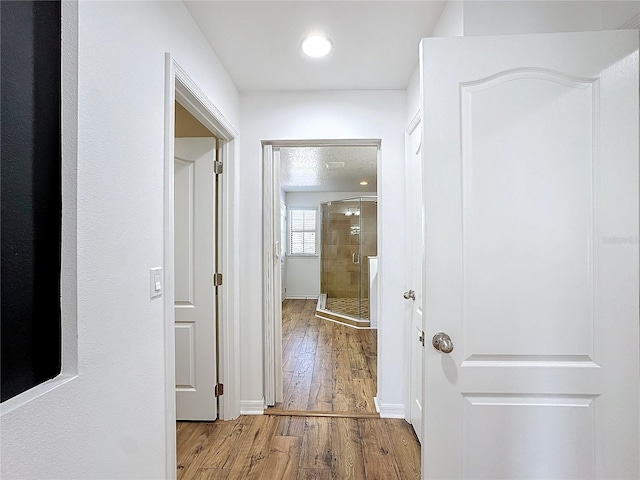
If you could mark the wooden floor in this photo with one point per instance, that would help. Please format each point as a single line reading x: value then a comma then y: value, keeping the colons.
x: 298, y: 448
x: 326, y: 366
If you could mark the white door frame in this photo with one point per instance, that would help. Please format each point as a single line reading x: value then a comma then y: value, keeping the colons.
x: 179, y: 86
x: 272, y: 293
x: 409, y: 332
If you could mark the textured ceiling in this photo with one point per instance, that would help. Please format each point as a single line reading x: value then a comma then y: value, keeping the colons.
x: 258, y: 42
x: 304, y: 169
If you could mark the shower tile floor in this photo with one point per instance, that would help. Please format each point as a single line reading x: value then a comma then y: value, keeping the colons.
x: 348, y: 306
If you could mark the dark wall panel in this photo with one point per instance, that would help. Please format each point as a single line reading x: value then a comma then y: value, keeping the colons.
x: 30, y: 195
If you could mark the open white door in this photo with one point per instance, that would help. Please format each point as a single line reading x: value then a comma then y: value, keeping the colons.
x: 272, y: 270
x: 195, y: 214
x: 530, y: 152
x: 415, y: 250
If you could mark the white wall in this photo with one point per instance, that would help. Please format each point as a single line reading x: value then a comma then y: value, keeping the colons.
x: 109, y: 421
x: 451, y: 22
x: 513, y: 17
x: 303, y: 273
x: 474, y: 17
x: 413, y: 96
x: 519, y: 17
x: 324, y: 115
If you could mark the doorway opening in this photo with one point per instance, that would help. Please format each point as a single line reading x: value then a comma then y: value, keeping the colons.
x: 320, y: 359
x: 185, y: 102
x: 196, y: 254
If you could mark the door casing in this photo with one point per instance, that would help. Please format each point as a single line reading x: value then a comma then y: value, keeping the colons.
x: 180, y: 86
x: 272, y: 293
x: 414, y: 248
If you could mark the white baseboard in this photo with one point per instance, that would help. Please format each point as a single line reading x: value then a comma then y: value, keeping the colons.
x: 252, y: 407
x: 389, y: 410
x: 301, y: 297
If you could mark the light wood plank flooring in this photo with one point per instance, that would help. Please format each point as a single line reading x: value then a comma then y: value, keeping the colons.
x: 298, y: 448
x: 326, y: 366
x: 329, y: 368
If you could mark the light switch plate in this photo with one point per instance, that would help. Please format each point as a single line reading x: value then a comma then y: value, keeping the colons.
x: 156, y: 282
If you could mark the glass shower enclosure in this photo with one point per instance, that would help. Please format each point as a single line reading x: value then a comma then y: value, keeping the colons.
x: 348, y: 240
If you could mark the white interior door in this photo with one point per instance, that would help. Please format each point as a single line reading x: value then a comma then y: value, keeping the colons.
x: 531, y: 205
x: 272, y: 271
x: 195, y: 211
x: 277, y: 274
x: 415, y: 250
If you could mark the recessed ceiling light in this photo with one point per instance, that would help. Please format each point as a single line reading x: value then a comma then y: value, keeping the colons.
x: 316, y: 45
x: 364, y: 182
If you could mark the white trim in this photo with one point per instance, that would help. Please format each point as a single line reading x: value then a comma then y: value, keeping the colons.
x: 252, y: 407
x: 301, y: 297
x: 344, y: 324
x: 199, y: 105
x: 381, y: 352
x: 270, y: 198
x: 34, y: 392
x: 277, y: 275
x: 633, y: 22
x: 272, y: 272
x: 169, y: 313
x: 389, y: 410
x: 69, y: 267
x: 268, y: 286
x: 179, y: 86
x: 229, y: 295
x: 350, y: 142
x: 413, y: 124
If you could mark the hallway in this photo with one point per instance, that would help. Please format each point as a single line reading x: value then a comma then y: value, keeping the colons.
x: 290, y: 448
x: 326, y: 366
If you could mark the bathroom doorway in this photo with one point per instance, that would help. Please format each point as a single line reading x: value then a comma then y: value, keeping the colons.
x: 326, y: 360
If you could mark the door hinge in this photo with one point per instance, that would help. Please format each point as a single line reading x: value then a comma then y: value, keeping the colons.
x: 219, y: 389
x: 217, y: 167
x: 217, y: 279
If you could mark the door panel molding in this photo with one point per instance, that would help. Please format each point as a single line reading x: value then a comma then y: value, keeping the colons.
x: 531, y: 202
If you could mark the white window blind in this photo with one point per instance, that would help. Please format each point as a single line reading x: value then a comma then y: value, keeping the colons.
x: 302, y: 236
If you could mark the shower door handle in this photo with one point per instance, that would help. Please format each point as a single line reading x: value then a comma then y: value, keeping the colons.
x: 355, y: 258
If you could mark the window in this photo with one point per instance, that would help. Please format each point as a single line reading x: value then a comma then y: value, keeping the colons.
x: 302, y: 231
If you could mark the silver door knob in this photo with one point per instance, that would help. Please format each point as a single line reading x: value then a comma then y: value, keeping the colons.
x: 441, y: 341
x: 409, y: 295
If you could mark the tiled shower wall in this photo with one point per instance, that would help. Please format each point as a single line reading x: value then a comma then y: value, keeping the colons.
x: 342, y: 236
